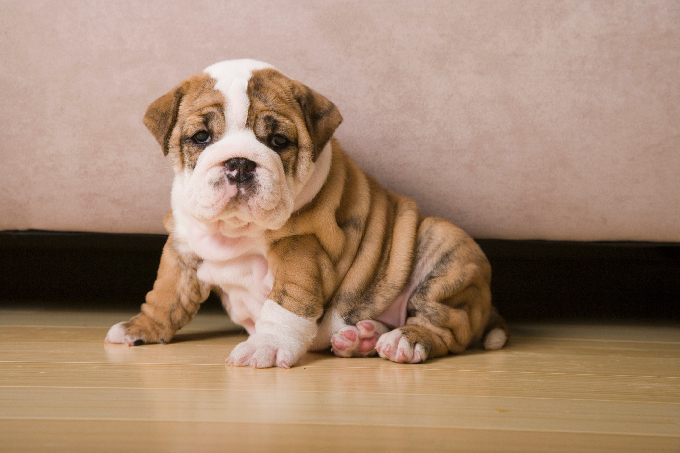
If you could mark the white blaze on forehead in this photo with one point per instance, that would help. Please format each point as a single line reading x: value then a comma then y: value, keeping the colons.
x: 232, y: 78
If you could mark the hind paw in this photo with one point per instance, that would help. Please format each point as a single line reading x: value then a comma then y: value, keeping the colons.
x: 397, y: 348
x: 359, y: 340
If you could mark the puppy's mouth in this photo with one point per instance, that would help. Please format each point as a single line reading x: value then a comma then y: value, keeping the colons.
x: 245, y: 193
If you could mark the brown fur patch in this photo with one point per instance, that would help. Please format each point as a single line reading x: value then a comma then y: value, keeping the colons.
x: 280, y: 105
x: 364, y: 235
x: 195, y: 105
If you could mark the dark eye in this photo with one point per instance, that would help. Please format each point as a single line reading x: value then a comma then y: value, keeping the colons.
x: 279, y: 142
x: 201, y: 137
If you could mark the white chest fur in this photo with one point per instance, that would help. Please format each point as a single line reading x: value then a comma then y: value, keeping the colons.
x: 237, y: 266
x: 245, y: 282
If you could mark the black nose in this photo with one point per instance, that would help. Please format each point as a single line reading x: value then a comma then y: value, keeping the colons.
x: 240, y: 170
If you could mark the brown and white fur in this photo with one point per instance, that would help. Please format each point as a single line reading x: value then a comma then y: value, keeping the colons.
x: 306, y: 250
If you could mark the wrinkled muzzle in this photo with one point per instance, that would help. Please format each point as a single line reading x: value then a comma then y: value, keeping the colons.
x: 239, y: 180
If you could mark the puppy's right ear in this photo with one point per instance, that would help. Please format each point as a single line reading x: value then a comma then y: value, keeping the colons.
x: 161, y: 116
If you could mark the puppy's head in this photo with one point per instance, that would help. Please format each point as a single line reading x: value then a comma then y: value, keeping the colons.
x: 246, y: 143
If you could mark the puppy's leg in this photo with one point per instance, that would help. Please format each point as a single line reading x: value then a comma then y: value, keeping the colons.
x: 176, y: 296
x: 418, y: 341
x: 450, y: 305
x: 359, y: 340
x: 287, y: 325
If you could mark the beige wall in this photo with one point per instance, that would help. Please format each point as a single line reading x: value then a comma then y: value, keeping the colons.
x: 515, y: 119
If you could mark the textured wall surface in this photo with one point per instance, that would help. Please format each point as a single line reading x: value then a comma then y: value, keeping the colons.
x: 514, y: 119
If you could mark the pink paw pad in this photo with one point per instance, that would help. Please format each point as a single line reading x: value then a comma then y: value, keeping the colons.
x: 359, y: 340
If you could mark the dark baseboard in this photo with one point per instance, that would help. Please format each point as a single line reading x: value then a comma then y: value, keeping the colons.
x: 532, y: 279
x: 581, y: 280
x: 74, y: 270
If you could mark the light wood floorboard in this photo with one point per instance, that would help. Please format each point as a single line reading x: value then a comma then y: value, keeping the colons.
x: 556, y: 387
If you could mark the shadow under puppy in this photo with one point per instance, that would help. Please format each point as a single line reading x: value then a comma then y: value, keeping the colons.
x: 306, y: 250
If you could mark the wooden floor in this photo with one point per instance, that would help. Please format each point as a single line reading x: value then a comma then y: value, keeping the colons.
x: 556, y: 387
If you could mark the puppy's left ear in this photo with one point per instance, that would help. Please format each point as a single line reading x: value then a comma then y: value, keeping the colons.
x: 161, y: 116
x: 322, y: 117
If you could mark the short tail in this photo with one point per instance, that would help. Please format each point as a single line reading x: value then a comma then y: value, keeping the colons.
x: 496, y: 333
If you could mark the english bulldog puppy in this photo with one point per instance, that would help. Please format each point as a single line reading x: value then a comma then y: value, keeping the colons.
x: 306, y: 251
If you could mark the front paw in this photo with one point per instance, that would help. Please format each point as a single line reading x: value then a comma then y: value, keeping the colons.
x: 264, y: 351
x: 117, y: 334
x: 136, y: 332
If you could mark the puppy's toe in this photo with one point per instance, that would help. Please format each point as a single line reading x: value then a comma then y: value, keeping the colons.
x: 396, y: 347
x: 264, y: 357
x: 116, y: 334
x: 369, y: 333
x: 359, y: 340
x: 388, y: 343
x: 264, y: 351
x: 121, y: 333
x: 241, y: 354
x: 345, y: 342
x: 139, y: 330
